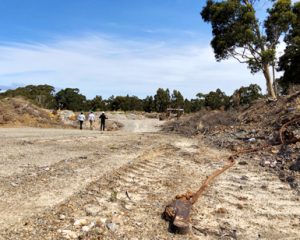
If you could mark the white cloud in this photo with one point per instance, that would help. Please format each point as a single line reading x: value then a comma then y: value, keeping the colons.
x: 102, y: 65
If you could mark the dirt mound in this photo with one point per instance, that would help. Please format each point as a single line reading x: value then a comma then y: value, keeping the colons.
x: 16, y: 112
x: 200, y: 122
x: 263, y: 118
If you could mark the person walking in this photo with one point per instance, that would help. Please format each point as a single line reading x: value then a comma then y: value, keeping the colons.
x: 81, y: 119
x: 102, y: 121
x: 91, y: 119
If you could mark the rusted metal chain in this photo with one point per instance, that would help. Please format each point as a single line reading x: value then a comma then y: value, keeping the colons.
x: 206, y: 183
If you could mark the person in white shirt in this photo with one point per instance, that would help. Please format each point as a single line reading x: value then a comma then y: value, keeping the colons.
x: 81, y: 119
x: 91, y: 119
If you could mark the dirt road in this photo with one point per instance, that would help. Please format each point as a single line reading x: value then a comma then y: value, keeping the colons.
x: 71, y: 184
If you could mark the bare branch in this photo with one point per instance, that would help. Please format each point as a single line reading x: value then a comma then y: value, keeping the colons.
x: 240, y: 61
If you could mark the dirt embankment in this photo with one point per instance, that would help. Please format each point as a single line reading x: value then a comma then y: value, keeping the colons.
x: 17, y: 112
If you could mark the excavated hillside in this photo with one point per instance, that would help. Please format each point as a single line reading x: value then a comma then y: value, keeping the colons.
x: 18, y: 112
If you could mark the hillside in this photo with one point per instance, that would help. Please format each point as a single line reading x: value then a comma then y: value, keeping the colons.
x: 18, y: 112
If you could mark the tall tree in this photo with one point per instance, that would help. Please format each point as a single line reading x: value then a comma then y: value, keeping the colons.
x: 162, y: 99
x: 148, y: 104
x: 71, y: 99
x: 97, y: 103
x: 245, y: 95
x: 237, y: 33
x: 177, y: 100
x: 216, y: 100
x: 289, y: 62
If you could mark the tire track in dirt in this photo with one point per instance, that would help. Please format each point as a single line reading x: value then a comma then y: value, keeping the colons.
x: 147, y: 180
x: 36, y: 188
x: 248, y: 203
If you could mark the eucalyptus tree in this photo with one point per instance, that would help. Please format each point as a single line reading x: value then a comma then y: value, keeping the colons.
x: 238, y: 32
x: 289, y: 62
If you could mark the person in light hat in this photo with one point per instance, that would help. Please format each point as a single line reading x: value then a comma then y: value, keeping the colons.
x: 102, y: 121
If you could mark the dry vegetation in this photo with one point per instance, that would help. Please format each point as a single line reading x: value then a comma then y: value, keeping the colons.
x: 17, y: 112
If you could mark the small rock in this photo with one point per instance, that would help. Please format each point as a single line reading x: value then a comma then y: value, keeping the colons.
x: 221, y: 211
x: 99, y: 230
x: 265, y: 163
x: 99, y: 222
x: 80, y: 222
x: 239, y: 206
x: 253, y: 131
x: 68, y: 234
x: 62, y: 217
x: 92, y: 210
x: 117, y: 220
x: 274, y: 151
x: 281, y: 176
x: 245, y: 178
x: 85, y: 228
x: 13, y: 184
x: 295, y: 166
x: 243, y: 163
x: 291, y: 109
x: 251, y: 140
x: 290, y: 179
x: 273, y: 164
x: 112, y: 226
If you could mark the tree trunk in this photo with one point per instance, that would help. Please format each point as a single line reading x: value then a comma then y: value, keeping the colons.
x: 269, y: 81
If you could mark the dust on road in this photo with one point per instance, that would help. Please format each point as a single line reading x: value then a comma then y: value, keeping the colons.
x: 64, y: 184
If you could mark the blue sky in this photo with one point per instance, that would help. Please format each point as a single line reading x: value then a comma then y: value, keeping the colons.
x: 113, y: 47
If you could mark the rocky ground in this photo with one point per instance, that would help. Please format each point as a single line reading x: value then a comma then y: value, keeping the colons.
x: 72, y: 184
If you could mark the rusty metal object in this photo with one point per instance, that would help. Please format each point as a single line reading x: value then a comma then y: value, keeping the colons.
x: 178, y: 211
x: 283, y: 128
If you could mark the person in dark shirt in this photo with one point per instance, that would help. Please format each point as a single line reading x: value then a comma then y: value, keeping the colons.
x: 102, y: 121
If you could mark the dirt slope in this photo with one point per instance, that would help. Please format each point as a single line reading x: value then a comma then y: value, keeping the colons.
x: 18, y: 112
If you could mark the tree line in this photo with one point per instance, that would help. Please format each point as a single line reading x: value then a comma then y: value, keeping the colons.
x: 71, y: 99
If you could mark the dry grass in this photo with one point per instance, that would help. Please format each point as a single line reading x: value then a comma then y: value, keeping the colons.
x: 16, y: 112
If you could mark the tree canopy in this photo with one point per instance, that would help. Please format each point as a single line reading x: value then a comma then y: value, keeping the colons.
x: 71, y: 99
x: 290, y: 61
x: 237, y: 33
